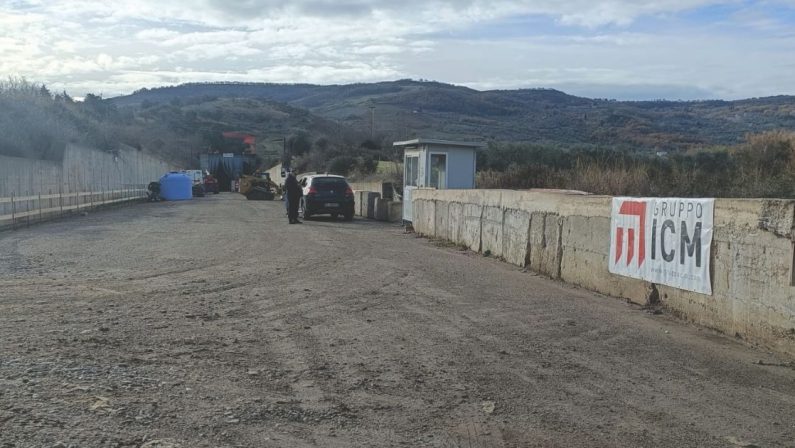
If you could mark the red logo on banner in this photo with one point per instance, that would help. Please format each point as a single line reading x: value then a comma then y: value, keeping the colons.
x: 632, y: 208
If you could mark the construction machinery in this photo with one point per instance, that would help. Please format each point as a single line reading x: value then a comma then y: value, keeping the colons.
x: 248, y: 140
x: 258, y: 187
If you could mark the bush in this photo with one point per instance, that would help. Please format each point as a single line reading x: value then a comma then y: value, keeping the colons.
x: 341, y: 165
x: 762, y: 166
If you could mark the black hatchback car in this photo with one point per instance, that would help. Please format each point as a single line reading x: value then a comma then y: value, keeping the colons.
x: 326, y: 194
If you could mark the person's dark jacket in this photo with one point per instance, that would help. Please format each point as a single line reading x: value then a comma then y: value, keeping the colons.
x: 293, y: 188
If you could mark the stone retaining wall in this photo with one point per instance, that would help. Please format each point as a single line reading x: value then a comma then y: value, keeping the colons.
x: 567, y: 237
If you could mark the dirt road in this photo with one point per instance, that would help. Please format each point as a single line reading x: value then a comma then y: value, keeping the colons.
x: 213, y: 323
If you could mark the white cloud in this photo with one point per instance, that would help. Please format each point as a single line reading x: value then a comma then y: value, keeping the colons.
x: 156, y: 35
x: 379, y: 49
x: 104, y: 61
x: 90, y: 46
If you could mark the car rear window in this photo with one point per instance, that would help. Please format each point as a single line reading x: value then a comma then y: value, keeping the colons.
x: 329, y: 183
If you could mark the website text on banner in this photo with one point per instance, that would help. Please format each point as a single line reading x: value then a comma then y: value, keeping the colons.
x: 662, y: 240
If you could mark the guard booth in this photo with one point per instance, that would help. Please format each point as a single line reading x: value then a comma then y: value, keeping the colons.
x: 439, y: 164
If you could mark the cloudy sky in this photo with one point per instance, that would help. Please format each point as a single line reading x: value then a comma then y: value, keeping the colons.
x: 625, y: 49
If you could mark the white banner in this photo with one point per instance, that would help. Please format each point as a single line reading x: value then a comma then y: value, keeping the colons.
x: 662, y: 240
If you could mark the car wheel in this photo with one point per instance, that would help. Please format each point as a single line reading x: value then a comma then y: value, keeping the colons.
x: 335, y: 215
x: 348, y: 217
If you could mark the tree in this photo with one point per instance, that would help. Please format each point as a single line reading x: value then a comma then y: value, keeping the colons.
x: 341, y: 165
x: 370, y: 144
x: 299, y: 144
x: 322, y: 144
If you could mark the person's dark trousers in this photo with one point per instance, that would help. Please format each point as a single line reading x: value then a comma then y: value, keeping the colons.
x: 292, y: 209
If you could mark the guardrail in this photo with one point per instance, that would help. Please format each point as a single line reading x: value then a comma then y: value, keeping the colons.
x: 16, y: 210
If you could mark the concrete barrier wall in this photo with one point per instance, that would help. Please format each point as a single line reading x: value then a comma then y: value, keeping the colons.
x: 82, y: 169
x: 567, y: 237
x: 364, y: 203
x: 384, y: 189
x: 367, y: 186
x: 82, y: 178
x: 371, y: 205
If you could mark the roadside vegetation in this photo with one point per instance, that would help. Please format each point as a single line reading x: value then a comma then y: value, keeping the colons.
x: 33, y: 122
x: 762, y: 166
x: 37, y: 123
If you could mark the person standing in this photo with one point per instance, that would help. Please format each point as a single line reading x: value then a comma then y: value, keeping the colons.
x: 286, y: 202
x: 294, y: 193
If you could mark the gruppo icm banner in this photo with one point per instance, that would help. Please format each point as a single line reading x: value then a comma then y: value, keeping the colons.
x: 662, y: 240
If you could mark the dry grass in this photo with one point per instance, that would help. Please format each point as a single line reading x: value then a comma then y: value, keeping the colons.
x: 762, y: 166
x: 601, y: 179
x: 590, y: 177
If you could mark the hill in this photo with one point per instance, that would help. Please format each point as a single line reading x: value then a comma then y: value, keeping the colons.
x: 209, y: 116
x: 539, y: 138
x: 406, y: 108
x: 37, y: 124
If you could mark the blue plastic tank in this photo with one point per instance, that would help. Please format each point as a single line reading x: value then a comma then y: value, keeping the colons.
x: 176, y: 186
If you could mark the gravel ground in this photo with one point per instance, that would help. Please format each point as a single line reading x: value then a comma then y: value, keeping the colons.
x: 213, y: 323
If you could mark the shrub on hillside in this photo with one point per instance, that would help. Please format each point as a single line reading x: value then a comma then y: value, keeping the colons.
x: 762, y: 166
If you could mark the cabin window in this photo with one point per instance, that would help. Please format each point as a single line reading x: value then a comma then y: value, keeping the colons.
x: 439, y: 171
x: 411, y: 171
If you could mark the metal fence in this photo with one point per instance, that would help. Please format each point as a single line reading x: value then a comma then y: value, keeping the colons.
x: 38, y: 190
x: 25, y: 210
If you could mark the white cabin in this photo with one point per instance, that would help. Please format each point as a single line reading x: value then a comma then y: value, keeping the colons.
x: 440, y: 164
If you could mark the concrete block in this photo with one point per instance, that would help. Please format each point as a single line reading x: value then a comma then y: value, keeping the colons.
x: 395, y: 213
x: 515, y: 234
x: 551, y: 258
x: 360, y: 197
x: 751, y: 282
x: 491, y: 231
x: 455, y: 222
x: 535, y: 241
x: 424, y: 217
x: 586, y: 245
x: 370, y: 204
x: 381, y: 209
x: 441, y: 223
x: 545, y: 244
x: 471, y: 229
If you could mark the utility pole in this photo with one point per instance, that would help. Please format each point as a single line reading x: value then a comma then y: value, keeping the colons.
x: 372, y: 121
x: 285, y: 162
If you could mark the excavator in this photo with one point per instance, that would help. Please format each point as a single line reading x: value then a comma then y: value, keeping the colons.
x: 258, y: 186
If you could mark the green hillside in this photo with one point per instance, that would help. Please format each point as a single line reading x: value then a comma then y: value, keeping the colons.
x: 35, y: 123
x: 402, y: 109
x: 537, y: 137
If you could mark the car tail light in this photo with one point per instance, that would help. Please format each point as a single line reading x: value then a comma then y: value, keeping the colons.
x: 348, y: 192
x: 312, y: 190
